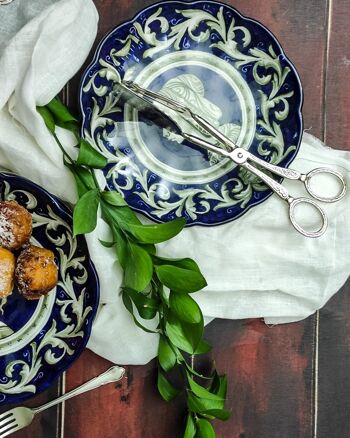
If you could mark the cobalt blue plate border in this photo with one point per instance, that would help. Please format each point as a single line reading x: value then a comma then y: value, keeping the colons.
x: 262, y: 40
x: 56, y: 330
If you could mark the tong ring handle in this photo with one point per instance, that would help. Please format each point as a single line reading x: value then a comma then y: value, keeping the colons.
x: 322, y: 170
x: 292, y: 205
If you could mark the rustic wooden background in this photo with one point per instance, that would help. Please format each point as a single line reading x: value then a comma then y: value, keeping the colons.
x: 289, y: 381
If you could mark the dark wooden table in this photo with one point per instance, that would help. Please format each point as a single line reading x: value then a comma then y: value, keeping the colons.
x: 290, y: 381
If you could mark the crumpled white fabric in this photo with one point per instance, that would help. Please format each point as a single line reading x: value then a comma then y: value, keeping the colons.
x: 16, y: 14
x: 256, y: 266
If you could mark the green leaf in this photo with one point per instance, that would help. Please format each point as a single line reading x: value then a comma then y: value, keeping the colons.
x: 205, y: 429
x: 90, y: 157
x: 203, y: 347
x: 202, y: 392
x: 149, y: 247
x: 166, y: 355
x: 199, y: 405
x: 166, y: 390
x: 179, y: 279
x: 110, y: 216
x: 126, y: 215
x: 119, y: 215
x: 147, y: 307
x: 121, y: 245
x: 175, y: 333
x: 85, y: 212
x: 190, y: 430
x: 83, y: 178
x: 138, y: 268
x: 222, y: 392
x: 185, y: 308
x: 128, y: 305
x: 193, y: 332
x: 48, y: 118
x: 73, y: 127
x: 60, y: 111
x: 183, y: 335
x: 193, y: 372
x: 62, y: 116
x: 221, y: 414
x: 156, y: 233
x: 185, y: 263
x: 219, y: 385
x: 106, y: 244
x: 114, y: 198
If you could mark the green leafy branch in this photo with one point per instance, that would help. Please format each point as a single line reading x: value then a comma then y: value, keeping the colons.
x: 153, y: 286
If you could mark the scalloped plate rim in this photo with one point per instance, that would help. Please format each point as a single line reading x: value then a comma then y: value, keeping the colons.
x: 62, y: 206
x: 253, y: 20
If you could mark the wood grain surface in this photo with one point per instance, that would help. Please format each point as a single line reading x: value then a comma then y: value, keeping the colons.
x: 288, y: 381
x: 337, y: 84
x: 333, y: 390
x: 46, y: 425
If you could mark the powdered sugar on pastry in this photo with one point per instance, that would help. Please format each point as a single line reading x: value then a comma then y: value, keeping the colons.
x: 7, y: 237
x: 15, y: 225
x: 7, y: 269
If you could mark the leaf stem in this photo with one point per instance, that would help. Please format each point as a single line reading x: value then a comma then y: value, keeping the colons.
x: 145, y: 277
x: 60, y: 145
x: 95, y: 179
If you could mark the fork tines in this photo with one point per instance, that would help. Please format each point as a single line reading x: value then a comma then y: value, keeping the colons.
x: 8, y: 424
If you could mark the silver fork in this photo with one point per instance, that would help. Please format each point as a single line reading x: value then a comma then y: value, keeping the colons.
x: 20, y: 417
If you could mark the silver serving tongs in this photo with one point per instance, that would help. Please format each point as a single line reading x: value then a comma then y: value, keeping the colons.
x: 243, y: 158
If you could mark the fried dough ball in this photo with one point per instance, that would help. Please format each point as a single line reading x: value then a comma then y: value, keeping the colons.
x: 36, y: 272
x: 7, y: 272
x: 15, y: 225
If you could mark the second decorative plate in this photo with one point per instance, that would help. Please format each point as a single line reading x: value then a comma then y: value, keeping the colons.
x: 227, y: 68
x: 39, y: 339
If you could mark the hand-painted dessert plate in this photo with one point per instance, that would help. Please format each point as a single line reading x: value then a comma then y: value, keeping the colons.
x: 40, y: 339
x: 226, y: 67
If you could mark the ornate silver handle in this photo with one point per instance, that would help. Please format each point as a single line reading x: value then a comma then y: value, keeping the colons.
x: 112, y: 375
x: 324, y: 170
x: 324, y: 224
x: 281, y: 171
x: 305, y: 178
x: 282, y: 192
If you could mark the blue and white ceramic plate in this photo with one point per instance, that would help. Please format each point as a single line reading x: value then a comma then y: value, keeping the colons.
x: 226, y: 67
x: 40, y: 339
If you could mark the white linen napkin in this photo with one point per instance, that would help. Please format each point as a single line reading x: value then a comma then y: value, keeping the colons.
x: 256, y: 266
x: 16, y: 14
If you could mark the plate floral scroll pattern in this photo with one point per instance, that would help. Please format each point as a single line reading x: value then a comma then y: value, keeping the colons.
x: 52, y: 332
x: 224, y: 42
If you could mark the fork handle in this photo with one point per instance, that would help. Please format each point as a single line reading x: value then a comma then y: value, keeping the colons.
x: 112, y: 375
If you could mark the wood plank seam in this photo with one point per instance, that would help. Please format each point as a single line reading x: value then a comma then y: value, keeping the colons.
x: 329, y: 8
x: 315, y: 372
x: 314, y: 399
x: 62, y: 409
